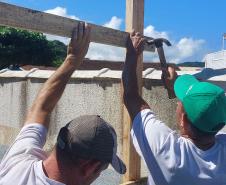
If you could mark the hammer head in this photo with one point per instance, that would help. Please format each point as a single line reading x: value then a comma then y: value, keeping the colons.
x: 159, y: 42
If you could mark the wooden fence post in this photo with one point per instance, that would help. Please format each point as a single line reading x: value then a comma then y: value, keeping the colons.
x: 134, y: 20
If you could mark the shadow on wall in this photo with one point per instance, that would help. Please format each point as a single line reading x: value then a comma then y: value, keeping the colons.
x: 207, y: 73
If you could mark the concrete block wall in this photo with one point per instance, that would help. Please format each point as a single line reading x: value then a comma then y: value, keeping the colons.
x: 88, y: 92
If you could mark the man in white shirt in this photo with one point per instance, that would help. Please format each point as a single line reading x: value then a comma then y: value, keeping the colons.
x: 85, y: 146
x: 196, y: 155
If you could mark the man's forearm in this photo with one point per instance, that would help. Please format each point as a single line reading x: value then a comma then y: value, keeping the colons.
x: 129, y: 77
x: 54, y: 87
x: 131, y: 97
x: 51, y: 92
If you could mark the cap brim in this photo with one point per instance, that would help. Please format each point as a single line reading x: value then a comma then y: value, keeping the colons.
x: 118, y: 165
x: 183, y: 84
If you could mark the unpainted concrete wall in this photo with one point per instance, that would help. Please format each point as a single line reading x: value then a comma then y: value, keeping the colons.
x: 83, y: 95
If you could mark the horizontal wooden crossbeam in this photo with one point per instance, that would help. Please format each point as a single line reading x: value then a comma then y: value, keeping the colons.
x: 24, y: 18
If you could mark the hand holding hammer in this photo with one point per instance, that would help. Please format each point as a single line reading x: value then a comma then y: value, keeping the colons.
x: 168, y: 74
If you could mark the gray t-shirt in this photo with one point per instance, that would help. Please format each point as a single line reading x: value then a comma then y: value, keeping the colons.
x: 22, y: 163
x: 175, y: 160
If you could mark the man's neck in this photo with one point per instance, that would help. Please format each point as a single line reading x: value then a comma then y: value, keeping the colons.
x: 203, y: 143
x: 51, y: 169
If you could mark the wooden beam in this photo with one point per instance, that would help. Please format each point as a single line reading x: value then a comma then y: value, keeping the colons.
x: 134, y: 20
x: 24, y: 18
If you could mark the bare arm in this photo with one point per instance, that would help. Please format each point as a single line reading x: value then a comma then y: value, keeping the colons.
x: 54, y: 87
x: 132, y: 100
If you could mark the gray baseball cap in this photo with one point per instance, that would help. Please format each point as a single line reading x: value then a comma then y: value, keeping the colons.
x: 91, y: 137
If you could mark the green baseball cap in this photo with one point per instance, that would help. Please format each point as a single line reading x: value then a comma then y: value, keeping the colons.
x: 203, y: 102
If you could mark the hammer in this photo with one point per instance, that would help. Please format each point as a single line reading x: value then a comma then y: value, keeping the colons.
x: 158, y: 43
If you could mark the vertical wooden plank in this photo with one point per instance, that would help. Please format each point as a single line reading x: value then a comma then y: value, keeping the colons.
x: 134, y: 20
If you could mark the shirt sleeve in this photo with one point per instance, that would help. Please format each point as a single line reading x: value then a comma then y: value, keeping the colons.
x: 29, y: 141
x: 148, y: 133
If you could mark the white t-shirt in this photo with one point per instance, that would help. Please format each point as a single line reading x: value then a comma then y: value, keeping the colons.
x: 22, y: 163
x: 175, y: 160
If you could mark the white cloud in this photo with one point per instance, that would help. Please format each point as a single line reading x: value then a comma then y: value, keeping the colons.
x: 61, y: 12
x: 114, y: 23
x: 65, y: 40
x: 151, y: 32
x: 184, y: 49
x: 105, y: 52
x: 96, y: 51
x: 187, y: 46
x: 179, y: 51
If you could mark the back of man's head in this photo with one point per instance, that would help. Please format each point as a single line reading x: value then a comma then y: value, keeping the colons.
x: 89, y: 137
x: 203, y: 102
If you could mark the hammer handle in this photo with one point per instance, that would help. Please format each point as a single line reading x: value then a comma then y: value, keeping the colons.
x: 164, y: 69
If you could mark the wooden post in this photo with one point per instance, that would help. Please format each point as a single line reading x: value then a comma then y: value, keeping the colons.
x: 134, y: 20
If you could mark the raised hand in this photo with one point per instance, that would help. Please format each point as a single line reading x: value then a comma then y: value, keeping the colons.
x: 168, y: 80
x: 135, y: 43
x: 79, y: 43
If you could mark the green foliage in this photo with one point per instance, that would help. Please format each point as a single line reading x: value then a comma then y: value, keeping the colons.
x: 57, y: 63
x: 25, y: 47
x: 59, y: 51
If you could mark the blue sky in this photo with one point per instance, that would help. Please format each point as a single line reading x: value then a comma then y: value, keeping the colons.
x: 195, y: 27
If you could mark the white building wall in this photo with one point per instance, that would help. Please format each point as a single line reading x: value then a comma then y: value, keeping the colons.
x: 215, y: 60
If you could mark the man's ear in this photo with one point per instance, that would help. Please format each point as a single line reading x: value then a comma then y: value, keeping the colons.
x: 185, y: 121
x: 90, y: 167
